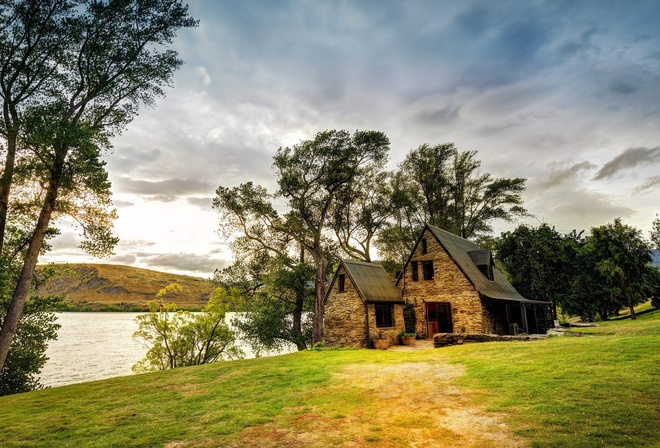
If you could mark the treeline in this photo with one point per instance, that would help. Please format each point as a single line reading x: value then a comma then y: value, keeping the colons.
x: 589, y: 276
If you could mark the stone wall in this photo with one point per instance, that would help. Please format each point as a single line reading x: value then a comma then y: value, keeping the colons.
x: 392, y: 333
x: 344, y: 322
x: 448, y: 285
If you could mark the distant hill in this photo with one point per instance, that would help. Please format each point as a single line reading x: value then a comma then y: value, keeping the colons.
x: 109, y: 286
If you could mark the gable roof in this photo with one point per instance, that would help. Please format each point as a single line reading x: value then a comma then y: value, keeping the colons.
x: 371, y: 281
x: 459, y: 250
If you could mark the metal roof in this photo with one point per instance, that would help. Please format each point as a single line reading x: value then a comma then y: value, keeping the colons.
x: 371, y: 281
x: 459, y: 250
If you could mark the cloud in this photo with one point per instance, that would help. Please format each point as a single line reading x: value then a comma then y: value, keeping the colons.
x: 622, y: 87
x: 650, y: 184
x: 630, y: 158
x: 185, y: 262
x: 132, y: 245
x: 203, y: 203
x: 204, y: 75
x: 577, y: 209
x: 560, y: 174
x: 123, y: 259
x: 167, y: 189
x: 127, y: 158
x: 122, y: 204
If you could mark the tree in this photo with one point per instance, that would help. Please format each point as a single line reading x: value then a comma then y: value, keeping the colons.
x: 360, y: 213
x: 276, y: 295
x: 622, y: 259
x: 540, y: 262
x: 265, y: 245
x: 441, y: 186
x: 27, y: 357
x: 655, y: 233
x: 33, y: 40
x: 312, y: 176
x: 180, y: 338
x: 111, y: 57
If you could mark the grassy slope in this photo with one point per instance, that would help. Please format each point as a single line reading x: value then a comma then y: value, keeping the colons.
x: 94, y: 286
x: 591, y: 391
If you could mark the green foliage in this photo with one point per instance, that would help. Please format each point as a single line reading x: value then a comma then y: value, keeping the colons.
x: 589, y: 277
x: 655, y: 233
x: 181, y: 338
x: 441, y: 186
x: 409, y: 319
x: 276, y: 300
x: 26, y: 358
x: 622, y: 259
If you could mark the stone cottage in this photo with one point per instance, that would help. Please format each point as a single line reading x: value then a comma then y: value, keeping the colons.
x: 452, y: 285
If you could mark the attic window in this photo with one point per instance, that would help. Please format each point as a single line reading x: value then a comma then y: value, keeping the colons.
x: 342, y: 282
x: 483, y: 259
x: 425, y: 248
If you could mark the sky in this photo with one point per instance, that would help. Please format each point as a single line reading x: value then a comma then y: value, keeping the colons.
x: 563, y: 93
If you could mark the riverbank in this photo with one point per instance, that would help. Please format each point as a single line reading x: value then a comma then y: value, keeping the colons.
x: 600, y: 390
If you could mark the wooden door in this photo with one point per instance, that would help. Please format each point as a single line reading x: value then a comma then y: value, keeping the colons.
x: 438, y: 316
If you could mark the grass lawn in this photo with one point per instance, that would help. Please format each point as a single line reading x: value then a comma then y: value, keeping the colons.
x: 601, y: 389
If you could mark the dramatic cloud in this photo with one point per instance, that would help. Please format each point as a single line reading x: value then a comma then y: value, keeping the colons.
x: 549, y: 91
x: 630, y: 158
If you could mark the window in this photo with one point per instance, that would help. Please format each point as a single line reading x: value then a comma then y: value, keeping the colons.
x: 427, y: 268
x: 425, y: 248
x: 384, y: 315
x: 342, y: 282
x: 415, y: 273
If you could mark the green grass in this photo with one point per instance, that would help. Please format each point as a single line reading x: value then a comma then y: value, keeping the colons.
x: 601, y: 389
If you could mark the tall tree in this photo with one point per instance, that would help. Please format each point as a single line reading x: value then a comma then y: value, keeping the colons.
x: 360, y: 213
x: 442, y: 186
x: 33, y: 50
x: 622, y: 259
x: 117, y: 58
x: 312, y: 176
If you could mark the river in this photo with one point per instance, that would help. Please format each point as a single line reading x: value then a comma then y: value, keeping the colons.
x: 95, y: 346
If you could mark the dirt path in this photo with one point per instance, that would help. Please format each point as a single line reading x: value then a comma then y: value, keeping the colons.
x: 414, y: 404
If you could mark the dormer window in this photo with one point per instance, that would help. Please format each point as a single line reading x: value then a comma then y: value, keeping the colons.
x: 483, y: 259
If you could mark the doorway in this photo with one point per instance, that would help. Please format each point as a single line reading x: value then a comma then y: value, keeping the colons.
x: 438, y: 318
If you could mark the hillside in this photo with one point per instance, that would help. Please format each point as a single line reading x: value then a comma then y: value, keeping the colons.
x: 108, y: 286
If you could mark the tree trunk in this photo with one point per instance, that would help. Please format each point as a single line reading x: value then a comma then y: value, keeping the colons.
x: 5, y: 186
x: 630, y: 304
x: 21, y: 291
x: 319, y: 306
x: 297, y: 323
